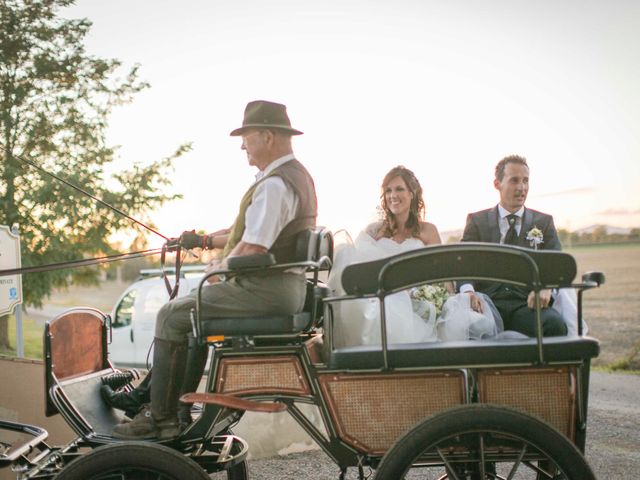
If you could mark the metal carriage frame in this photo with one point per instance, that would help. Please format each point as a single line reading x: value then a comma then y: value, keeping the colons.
x: 372, y: 400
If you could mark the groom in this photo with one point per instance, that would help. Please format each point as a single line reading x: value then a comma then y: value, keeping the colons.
x: 510, y: 222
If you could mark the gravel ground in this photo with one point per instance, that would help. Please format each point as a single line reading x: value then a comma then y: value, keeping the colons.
x: 613, y: 442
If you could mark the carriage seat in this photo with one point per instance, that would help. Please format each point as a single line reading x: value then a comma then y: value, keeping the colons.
x: 468, y: 353
x: 314, y: 251
x: 257, y: 325
x: 76, y: 359
x: 526, y: 268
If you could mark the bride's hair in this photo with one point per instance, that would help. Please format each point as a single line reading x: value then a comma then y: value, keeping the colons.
x: 416, y: 209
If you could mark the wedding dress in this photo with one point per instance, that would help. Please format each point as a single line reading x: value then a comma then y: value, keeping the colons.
x: 357, y: 322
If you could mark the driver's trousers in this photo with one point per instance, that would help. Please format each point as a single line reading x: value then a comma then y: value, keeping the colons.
x: 240, y: 296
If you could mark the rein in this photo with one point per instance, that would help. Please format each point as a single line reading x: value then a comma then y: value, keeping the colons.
x: 170, y: 244
x: 171, y: 291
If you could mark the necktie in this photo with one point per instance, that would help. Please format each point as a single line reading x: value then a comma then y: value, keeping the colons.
x: 511, y: 236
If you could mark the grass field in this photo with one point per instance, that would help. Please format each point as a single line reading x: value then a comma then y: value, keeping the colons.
x: 612, y: 311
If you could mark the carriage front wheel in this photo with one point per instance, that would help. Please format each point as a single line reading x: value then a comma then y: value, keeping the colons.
x: 483, y: 442
x: 133, y: 461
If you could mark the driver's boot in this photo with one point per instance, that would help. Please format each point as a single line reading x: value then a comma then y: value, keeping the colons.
x: 196, y: 360
x: 160, y: 419
x: 132, y: 401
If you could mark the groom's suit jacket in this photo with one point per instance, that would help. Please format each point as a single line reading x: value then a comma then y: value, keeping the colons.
x: 483, y: 226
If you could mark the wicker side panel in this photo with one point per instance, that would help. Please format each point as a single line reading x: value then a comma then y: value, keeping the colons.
x: 548, y: 393
x: 268, y: 374
x: 370, y: 411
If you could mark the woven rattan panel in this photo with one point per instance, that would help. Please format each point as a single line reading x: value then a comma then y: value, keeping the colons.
x: 547, y: 393
x: 371, y: 411
x: 276, y: 374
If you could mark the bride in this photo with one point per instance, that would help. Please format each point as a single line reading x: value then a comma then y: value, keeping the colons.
x: 409, y: 319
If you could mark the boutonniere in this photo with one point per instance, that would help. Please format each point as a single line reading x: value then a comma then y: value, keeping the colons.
x: 535, y: 237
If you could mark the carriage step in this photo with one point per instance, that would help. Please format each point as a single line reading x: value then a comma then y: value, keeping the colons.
x: 233, y: 402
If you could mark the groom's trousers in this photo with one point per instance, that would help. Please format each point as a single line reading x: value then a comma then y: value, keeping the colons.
x: 517, y: 316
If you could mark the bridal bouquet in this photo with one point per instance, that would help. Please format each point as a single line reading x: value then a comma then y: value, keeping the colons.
x: 435, y: 294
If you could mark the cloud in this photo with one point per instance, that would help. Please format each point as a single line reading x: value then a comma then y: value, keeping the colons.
x: 571, y: 191
x: 619, y: 211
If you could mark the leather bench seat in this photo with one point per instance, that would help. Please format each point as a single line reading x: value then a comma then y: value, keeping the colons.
x: 469, y: 353
x: 258, y: 325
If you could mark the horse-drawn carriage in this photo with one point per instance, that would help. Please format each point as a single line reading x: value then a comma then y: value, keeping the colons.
x: 487, y: 409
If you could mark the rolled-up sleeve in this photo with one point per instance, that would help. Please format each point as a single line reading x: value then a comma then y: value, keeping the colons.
x: 272, y: 207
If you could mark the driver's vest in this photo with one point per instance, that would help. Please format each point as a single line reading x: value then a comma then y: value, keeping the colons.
x: 296, y: 177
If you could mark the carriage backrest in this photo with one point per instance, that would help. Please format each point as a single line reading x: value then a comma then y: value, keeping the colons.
x: 313, y: 244
x: 468, y: 261
x: 75, y: 344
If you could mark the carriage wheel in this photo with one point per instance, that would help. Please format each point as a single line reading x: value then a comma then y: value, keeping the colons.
x: 483, y: 442
x: 133, y: 461
x: 238, y: 472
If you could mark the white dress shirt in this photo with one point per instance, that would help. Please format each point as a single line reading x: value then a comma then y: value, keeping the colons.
x: 503, y: 223
x: 272, y: 207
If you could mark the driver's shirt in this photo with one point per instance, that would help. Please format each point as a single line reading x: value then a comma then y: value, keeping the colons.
x: 272, y: 207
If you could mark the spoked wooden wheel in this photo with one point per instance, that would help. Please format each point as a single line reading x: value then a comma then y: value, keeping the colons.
x: 133, y: 461
x: 483, y: 442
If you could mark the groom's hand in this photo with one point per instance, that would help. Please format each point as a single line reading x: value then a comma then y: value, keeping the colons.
x: 474, y: 302
x: 545, y: 298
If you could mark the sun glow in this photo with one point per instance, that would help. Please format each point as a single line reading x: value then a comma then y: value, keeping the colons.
x: 444, y: 88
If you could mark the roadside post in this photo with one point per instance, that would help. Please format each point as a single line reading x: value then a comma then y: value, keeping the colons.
x: 11, y: 285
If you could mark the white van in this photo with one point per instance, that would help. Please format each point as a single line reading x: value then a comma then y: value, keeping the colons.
x: 133, y: 317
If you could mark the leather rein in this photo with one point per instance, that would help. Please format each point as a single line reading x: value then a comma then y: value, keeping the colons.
x: 170, y: 245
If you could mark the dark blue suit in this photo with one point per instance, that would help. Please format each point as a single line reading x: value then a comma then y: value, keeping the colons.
x: 511, y: 302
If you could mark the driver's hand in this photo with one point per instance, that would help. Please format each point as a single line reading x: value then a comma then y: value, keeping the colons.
x: 190, y: 239
x: 545, y: 299
x: 173, y: 242
x: 475, y: 302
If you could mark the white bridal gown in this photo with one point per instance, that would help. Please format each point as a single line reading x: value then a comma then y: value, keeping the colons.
x: 357, y: 322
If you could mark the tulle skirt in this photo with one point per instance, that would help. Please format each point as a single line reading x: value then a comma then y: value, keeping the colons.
x: 357, y: 322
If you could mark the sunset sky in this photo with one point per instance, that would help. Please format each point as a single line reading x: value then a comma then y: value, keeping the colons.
x: 446, y: 88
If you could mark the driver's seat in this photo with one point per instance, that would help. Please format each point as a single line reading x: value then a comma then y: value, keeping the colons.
x: 314, y: 251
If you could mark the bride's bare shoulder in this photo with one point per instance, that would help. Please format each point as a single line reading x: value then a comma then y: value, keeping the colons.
x: 375, y: 230
x: 429, y: 234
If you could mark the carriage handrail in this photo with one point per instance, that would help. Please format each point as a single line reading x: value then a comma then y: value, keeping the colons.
x: 467, y: 261
x: 39, y: 436
x: 388, y: 269
x: 589, y: 280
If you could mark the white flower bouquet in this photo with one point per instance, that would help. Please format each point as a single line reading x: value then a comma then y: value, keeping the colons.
x: 435, y: 294
x: 535, y: 237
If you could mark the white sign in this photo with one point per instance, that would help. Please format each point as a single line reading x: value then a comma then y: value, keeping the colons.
x: 11, y: 285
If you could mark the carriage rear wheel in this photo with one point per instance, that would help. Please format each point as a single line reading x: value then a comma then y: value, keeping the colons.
x: 483, y: 442
x: 133, y: 461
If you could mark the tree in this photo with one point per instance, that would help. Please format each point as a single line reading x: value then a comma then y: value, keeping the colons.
x: 55, y: 100
x: 599, y: 234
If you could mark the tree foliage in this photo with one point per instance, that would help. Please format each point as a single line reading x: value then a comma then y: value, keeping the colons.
x: 55, y: 101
